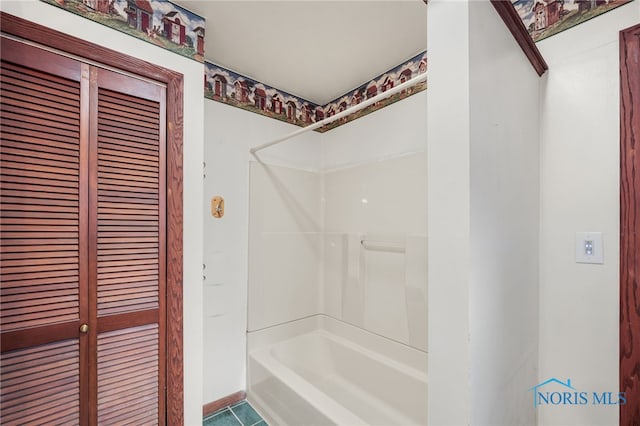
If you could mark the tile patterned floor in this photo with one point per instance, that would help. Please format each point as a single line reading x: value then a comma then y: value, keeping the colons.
x: 240, y: 414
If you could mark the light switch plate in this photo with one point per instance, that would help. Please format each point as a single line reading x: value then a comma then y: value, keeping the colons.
x: 589, y: 247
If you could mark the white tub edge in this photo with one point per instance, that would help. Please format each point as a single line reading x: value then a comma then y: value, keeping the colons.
x: 260, y: 343
x: 397, y: 351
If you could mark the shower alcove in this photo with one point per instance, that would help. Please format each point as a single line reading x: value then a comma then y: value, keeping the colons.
x: 337, y: 295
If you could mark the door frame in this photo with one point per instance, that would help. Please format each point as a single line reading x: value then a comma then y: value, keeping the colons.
x: 45, y: 36
x: 630, y: 224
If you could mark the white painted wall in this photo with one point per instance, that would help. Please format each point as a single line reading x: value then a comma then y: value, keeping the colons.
x: 63, y: 21
x: 448, y: 210
x: 482, y: 156
x: 579, y: 189
x: 504, y: 223
x: 229, y: 133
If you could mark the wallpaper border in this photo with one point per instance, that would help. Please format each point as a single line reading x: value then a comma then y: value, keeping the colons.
x: 231, y: 88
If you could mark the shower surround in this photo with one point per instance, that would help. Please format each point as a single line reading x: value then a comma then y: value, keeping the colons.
x: 337, y: 319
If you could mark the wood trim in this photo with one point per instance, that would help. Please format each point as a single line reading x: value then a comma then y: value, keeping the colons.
x: 162, y: 307
x: 512, y: 20
x: 85, y: 313
x: 630, y: 225
x: 214, y: 406
x: 175, y: 378
x: 92, y: 370
x: 126, y: 320
x: 174, y: 81
x: 27, y: 30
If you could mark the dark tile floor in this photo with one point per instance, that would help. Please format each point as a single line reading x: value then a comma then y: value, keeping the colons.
x: 240, y: 414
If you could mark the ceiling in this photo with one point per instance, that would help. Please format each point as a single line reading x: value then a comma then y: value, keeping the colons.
x: 317, y: 50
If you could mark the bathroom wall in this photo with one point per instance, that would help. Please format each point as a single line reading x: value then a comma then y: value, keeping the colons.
x: 448, y: 212
x: 229, y: 133
x: 504, y: 148
x: 93, y: 32
x: 482, y: 219
x: 579, y: 189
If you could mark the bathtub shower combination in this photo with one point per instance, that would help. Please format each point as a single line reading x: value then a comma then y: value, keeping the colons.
x: 337, y: 318
x: 337, y: 295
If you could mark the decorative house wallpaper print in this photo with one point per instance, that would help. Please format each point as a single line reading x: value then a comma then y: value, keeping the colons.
x: 544, y: 18
x: 231, y: 88
x: 223, y: 85
x: 380, y: 84
x: 159, y: 22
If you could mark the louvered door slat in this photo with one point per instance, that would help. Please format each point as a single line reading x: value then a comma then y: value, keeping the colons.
x: 20, y: 250
x: 130, y: 146
x: 23, y: 158
x: 40, y: 385
x: 130, y: 174
x: 44, y: 205
x: 34, y: 166
x: 114, y: 138
x: 15, y: 104
x: 62, y: 118
x: 37, y: 125
x: 115, y: 107
x: 41, y: 118
x: 124, y: 124
x: 18, y: 87
x: 35, y: 134
x: 12, y: 170
x: 14, y: 165
x: 36, y: 256
x: 109, y: 161
x: 49, y: 185
x: 37, y: 286
x: 124, y: 159
x: 145, y: 107
x: 33, y: 78
x: 143, y: 253
x: 50, y: 292
x: 66, y: 150
x: 58, y: 109
x: 128, y: 375
x: 33, y: 155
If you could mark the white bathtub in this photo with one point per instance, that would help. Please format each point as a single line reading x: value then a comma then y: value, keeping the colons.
x: 320, y: 371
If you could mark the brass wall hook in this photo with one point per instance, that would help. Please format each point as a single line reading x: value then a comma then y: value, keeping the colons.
x: 217, y: 206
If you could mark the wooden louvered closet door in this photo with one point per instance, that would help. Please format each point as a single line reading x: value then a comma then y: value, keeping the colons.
x: 83, y: 218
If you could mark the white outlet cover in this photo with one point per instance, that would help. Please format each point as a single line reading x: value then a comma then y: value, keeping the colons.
x: 597, y: 247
